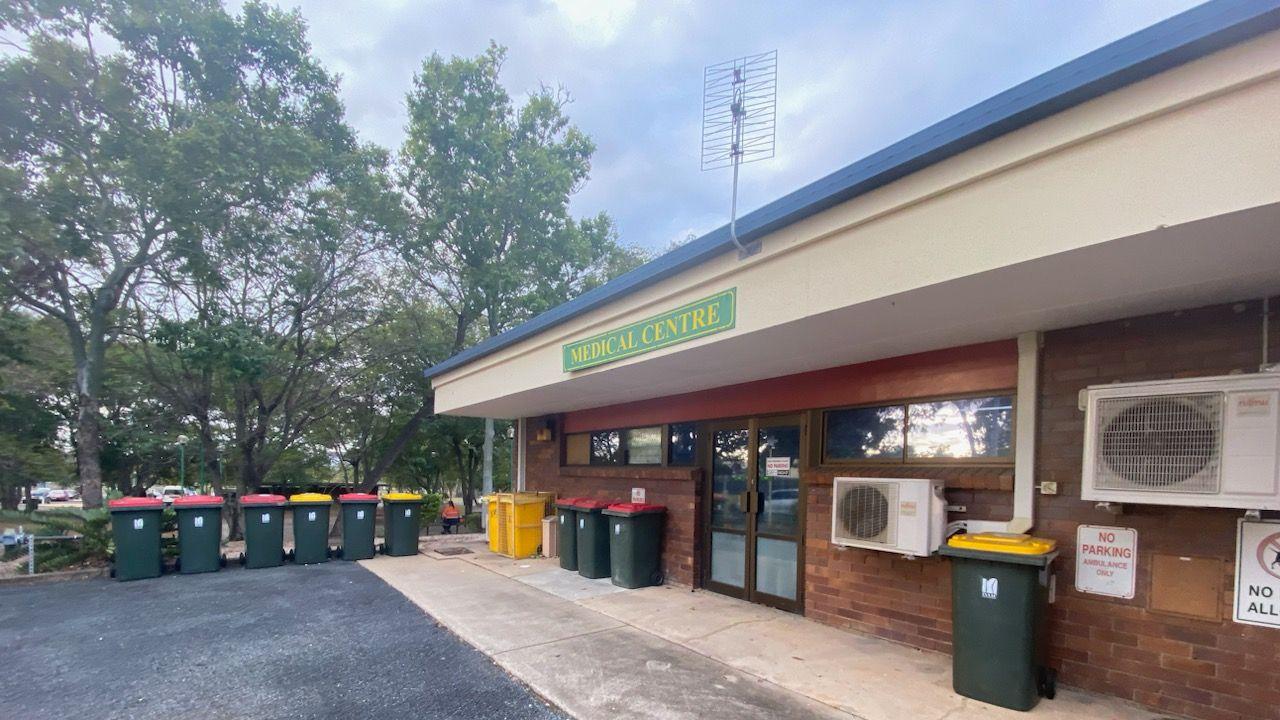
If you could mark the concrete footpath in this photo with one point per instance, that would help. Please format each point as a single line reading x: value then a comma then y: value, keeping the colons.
x: 598, y: 651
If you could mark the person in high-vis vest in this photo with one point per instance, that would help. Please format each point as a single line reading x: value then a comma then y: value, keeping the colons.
x: 451, y: 517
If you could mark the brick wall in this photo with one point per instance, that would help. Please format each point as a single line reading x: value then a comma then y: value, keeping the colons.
x: 679, y: 489
x: 1211, y: 669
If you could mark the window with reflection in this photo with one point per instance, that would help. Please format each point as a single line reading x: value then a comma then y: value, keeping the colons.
x: 606, y: 447
x: 964, y: 428
x: 644, y: 446
x: 682, y: 443
x: 973, y: 428
x: 869, y: 433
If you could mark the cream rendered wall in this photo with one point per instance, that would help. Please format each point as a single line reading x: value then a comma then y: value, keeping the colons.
x: 1195, y: 142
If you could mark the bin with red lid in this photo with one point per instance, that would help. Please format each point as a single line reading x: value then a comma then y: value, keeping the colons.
x: 635, y: 543
x: 592, y: 538
x: 199, y: 533
x: 358, y: 511
x: 263, y: 530
x: 135, y: 527
x: 567, y: 532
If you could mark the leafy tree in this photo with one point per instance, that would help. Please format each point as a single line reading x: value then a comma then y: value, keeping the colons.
x: 31, y: 378
x: 490, y: 233
x: 134, y: 128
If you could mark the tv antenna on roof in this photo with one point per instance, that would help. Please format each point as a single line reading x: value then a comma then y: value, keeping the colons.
x: 739, y: 110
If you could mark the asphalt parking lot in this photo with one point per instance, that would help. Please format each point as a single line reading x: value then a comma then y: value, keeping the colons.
x: 321, y: 641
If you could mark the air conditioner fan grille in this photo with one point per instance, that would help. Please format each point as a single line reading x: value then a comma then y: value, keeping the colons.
x: 1168, y: 443
x: 868, y: 512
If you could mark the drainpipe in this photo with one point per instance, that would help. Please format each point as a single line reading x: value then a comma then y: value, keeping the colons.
x: 1024, y: 443
x: 521, y: 441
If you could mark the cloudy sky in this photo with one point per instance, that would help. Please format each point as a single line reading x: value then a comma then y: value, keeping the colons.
x: 853, y: 77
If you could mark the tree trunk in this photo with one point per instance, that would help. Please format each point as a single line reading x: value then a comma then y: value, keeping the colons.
x: 374, y: 476
x: 89, y: 449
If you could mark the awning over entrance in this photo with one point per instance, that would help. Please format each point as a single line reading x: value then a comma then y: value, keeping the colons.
x: 1161, y: 195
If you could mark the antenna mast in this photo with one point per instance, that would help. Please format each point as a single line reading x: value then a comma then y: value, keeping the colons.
x: 739, y: 110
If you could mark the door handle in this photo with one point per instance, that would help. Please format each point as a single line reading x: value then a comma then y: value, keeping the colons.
x: 747, y: 501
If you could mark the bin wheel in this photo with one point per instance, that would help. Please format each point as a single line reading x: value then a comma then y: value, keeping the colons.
x: 242, y: 559
x: 656, y: 578
x: 289, y: 556
x: 113, y: 573
x: 177, y: 565
x: 222, y: 560
x: 333, y: 552
x: 1048, y: 683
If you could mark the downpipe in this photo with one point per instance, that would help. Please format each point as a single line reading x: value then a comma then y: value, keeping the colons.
x: 1024, y: 444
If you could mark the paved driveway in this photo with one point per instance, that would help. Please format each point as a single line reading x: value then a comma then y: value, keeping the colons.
x: 323, y: 641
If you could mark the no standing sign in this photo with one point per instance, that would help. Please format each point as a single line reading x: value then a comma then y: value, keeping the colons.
x: 1258, y: 574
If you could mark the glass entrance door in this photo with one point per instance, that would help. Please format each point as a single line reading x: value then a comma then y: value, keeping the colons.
x: 755, y: 510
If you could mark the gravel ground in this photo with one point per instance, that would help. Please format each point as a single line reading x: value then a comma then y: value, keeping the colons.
x: 321, y: 641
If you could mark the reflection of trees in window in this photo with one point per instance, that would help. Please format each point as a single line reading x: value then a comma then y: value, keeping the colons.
x: 682, y: 443
x: 606, y: 448
x: 962, y: 428
x: 731, y: 455
x: 865, y: 433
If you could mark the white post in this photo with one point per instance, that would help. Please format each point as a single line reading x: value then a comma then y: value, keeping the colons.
x: 488, y: 456
x: 31, y: 553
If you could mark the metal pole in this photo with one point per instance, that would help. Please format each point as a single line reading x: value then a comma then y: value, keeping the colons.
x: 182, y: 462
x: 31, y: 553
x: 201, y: 469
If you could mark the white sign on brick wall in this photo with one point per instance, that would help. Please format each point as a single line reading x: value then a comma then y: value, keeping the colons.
x: 637, y: 495
x: 1258, y: 574
x: 1106, y: 560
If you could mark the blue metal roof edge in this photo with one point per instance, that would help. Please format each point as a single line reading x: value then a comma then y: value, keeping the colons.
x: 1182, y: 38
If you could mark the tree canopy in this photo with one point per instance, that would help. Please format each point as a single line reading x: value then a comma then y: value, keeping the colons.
x: 203, y: 246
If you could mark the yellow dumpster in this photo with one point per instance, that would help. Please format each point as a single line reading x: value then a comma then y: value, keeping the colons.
x: 491, y: 508
x: 515, y: 522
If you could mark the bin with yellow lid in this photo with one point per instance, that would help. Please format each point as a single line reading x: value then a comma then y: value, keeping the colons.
x: 310, y: 527
x: 999, y: 599
x: 403, y: 517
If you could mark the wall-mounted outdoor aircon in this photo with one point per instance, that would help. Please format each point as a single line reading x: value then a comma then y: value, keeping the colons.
x: 1199, y: 442
x: 905, y: 516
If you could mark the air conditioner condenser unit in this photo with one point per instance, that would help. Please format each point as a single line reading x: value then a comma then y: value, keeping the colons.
x: 907, y: 516
x: 1197, y: 442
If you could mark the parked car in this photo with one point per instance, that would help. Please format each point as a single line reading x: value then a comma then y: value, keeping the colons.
x: 169, y: 492
x: 58, y: 495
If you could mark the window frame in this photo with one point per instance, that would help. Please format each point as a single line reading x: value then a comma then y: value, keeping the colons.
x: 905, y: 458
x: 624, y: 451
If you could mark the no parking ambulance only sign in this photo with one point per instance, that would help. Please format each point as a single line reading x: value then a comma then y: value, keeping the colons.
x: 1258, y: 574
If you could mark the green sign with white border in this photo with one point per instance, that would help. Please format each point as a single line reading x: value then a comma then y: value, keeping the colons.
x: 697, y: 319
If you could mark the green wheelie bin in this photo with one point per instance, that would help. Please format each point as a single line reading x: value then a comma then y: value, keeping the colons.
x: 199, y: 533
x: 999, y: 599
x: 402, y: 518
x: 310, y: 527
x: 635, y: 543
x: 567, y: 532
x: 135, y: 527
x: 593, y: 538
x: 263, y: 530
x: 358, y: 513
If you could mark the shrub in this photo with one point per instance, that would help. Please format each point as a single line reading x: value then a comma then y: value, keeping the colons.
x: 92, y: 527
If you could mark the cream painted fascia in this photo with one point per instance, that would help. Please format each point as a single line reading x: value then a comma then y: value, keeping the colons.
x: 1195, y: 142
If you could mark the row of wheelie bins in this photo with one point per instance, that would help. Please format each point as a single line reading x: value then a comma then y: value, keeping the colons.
x: 620, y: 541
x: 136, y: 529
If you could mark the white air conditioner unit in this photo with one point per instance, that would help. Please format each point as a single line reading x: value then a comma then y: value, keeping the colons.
x: 906, y: 516
x: 1199, y: 442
